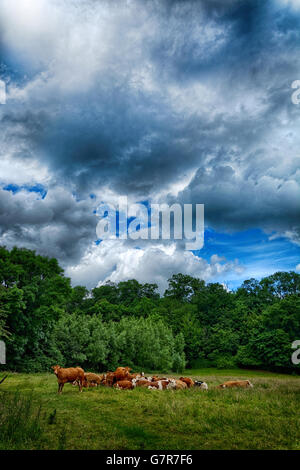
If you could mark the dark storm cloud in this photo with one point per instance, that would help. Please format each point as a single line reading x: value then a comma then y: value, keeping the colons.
x: 57, y: 225
x: 134, y: 96
x: 133, y: 137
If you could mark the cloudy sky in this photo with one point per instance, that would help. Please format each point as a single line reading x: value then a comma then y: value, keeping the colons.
x: 162, y: 101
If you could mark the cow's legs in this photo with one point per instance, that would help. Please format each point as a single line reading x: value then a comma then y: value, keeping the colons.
x: 60, y: 387
x: 80, y: 382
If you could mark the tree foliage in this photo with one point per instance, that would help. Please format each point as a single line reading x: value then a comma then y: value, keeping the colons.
x: 45, y: 320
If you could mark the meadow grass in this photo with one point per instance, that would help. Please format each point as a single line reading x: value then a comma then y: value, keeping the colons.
x: 265, y: 417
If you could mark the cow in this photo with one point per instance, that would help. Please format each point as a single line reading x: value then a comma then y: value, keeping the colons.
x: 236, y: 383
x: 175, y: 384
x: 137, y: 375
x: 124, y: 385
x: 155, y: 378
x: 141, y: 382
x: 91, y: 380
x: 161, y: 384
x: 190, y: 382
x: 109, y: 379
x: 68, y: 376
x: 103, y: 379
x: 122, y: 373
x: 179, y: 385
x: 155, y: 385
x: 201, y: 385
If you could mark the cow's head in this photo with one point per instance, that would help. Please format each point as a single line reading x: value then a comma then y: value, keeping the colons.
x: 56, y: 369
x: 198, y: 383
x: 134, y: 381
x: 204, y: 386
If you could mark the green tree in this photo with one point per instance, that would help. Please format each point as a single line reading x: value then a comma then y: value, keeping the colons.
x: 183, y: 287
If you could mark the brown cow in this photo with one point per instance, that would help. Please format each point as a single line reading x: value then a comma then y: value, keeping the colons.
x: 155, y: 385
x: 68, y: 375
x: 151, y: 385
x: 155, y: 378
x: 141, y: 382
x: 179, y: 385
x: 161, y: 384
x: 124, y: 385
x: 109, y: 379
x: 190, y: 383
x: 137, y: 375
x: 122, y: 373
x: 236, y: 383
x: 91, y: 380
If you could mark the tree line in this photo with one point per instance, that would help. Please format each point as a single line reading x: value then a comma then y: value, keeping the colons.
x: 44, y: 320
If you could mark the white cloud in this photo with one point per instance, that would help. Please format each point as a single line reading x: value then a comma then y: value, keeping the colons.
x: 115, y: 261
x: 20, y: 172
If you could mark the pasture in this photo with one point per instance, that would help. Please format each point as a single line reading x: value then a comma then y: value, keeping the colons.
x: 34, y: 416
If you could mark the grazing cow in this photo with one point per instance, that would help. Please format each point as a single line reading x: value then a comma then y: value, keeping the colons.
x: 143, y: 382
x: 171, y: 385
x: 91, y: 380
x: 103, y: 379
x: 236, y: 383
x: 109, y: 379
x: 179, y: 385
x: 155, y: 378
x: 68, y: 375
x: 201, y: 385
x: 190, y: 383
x: 124, y: 385
x: 122, y: 373
x: 155, y: 385
x: 163, y: 384
x: 175, y: 384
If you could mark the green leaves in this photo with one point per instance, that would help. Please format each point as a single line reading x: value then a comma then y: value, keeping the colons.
x: 45, y: 320
x: 140, y: 343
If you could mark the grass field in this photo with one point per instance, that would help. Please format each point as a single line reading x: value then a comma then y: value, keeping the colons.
x: 34, y: 416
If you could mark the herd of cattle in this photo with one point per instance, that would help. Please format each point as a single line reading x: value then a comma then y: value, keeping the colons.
x: 122, y: 378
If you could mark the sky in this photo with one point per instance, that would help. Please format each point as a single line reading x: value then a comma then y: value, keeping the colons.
x: 165, y: 101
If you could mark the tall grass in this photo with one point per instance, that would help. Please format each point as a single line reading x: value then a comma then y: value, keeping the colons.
x: 20, y: 422
x: 264, y: 417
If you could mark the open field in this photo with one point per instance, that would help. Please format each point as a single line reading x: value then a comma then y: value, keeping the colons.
x: 265, y: 417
